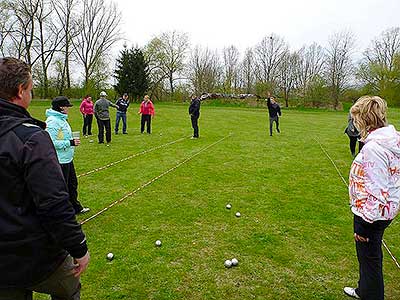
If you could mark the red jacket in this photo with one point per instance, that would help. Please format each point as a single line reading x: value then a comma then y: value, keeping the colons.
x: 86, y: 107
x: 147, y: 108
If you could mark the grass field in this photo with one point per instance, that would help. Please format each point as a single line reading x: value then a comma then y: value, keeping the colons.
x: 294, y: 239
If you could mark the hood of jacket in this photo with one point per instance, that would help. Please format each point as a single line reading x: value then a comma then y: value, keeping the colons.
x: 53, y: 113
x: 386, y: 137
x: 12, y: 115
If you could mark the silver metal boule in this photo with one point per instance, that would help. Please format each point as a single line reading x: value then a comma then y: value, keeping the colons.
x: 228, y: 263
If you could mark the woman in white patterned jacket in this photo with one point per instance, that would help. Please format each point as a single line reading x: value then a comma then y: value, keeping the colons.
x: 374, y: 189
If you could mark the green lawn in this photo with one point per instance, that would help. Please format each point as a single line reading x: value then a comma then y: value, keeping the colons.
x: 294, y: 239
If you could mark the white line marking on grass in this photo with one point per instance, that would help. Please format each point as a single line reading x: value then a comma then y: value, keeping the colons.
x: 346, y: 184
x: 129, y: 157
x: 152, y: 180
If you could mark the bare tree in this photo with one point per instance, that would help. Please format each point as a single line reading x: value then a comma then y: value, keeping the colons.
x: 23, y: 36
x: 167, y: 54
x: 98, y: 27
x: 231, y: 68
x: 287, y: 74
x: 310, y: 65
x: 8, y: 22
x: 203, y: 70
x: 64, y: 10
x: 269, y: 54
x: 47, y: 42
x: 379, y: 61
x: 339, y: 66
x: 247, y: 71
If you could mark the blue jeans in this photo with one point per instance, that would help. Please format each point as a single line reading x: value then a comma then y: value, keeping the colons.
x: 120, y: 115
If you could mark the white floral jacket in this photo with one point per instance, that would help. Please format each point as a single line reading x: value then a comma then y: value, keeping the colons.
x: 374, y: 181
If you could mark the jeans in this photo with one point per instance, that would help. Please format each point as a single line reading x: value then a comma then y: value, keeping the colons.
x: 120, y: 115
x: 271, y: 123
x: 61, y: 285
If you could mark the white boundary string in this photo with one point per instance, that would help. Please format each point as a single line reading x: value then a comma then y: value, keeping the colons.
x: 151, y: 181
x: 345, y: 183
x: 129, y: 157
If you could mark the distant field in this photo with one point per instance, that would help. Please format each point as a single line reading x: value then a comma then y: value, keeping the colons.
x: 293, y: 240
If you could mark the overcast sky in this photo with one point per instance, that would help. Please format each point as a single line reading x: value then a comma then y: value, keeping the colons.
x: 221, y: 23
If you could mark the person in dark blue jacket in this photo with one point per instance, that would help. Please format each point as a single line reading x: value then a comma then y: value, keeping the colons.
x: 123, y: 104
x: 274, y: 111
x: 194, y: 112
x: 42, y: 246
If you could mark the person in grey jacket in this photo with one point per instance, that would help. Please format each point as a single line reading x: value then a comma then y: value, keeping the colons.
x: 101, y: 111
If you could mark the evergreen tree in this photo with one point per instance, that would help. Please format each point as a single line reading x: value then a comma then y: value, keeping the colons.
x: 132, y: 73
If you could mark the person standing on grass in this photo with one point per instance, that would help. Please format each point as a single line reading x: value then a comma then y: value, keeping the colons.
x: 86, y: 108
x: 353, y: 135
x: 374, y: 189
x: 122, y: 104
x: 61, y: 135
x: 102, y: 113
x: 42, y: 246
x: 194, y: 112
x: 274, y: 111
x: 147, y: 112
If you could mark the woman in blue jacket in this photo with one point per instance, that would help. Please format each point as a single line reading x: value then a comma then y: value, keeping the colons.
x: 61, y: 135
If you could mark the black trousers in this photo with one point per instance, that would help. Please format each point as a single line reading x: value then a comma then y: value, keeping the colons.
x: 195, y: 125
x: 146, y: 119
x: 87, y: 125
x: 72, y: 183
x: 369, y: 254
x: 101, y: 124
x: 353, y: 142
x: 271, y: 123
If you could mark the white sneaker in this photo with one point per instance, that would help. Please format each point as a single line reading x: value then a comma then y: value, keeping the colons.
x: 351, y: 292
x: 84, y: 210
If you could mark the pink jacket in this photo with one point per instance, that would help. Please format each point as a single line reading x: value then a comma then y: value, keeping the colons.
x: 86, y: 107
x: 147, y: 108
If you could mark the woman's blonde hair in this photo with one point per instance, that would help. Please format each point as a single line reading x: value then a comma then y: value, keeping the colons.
x: 369, y: 113
x: 147, y: 97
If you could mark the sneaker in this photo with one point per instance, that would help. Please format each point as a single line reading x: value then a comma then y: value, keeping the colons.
x: 351, y: 292
x: 124, y: 133
x: 84, y: 210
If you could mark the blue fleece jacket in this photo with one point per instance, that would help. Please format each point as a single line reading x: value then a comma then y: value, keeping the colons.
x: 61, y: 135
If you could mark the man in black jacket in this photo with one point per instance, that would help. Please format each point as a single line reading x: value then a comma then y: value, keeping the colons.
x: 274, y: 110
x: 194, y: 112
x: 42, y: 247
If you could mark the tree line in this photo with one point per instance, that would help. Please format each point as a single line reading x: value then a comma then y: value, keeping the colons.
x: 59, y: 37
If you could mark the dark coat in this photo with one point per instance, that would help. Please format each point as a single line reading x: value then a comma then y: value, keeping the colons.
x: 37, y: 223
x: 273, y: 109
x: 194, y: 108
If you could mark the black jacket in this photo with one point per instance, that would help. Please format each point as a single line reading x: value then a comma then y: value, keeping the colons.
x: 273, y: 109
x: 194, y: 108
x: 37, y: 223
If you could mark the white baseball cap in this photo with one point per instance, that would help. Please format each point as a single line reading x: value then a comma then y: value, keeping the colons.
x: 103, y: 94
